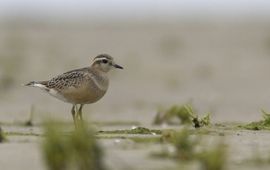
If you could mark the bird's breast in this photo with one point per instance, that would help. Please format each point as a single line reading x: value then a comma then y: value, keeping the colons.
x: 88, y: 92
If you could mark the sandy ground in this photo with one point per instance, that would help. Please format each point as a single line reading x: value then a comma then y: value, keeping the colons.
x: 219, y: 66
x: 245, y: 150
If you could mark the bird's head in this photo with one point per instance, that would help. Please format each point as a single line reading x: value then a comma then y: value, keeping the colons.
x: 105, y: 63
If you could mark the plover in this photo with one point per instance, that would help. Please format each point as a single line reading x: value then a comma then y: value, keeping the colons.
x: 81, y: 86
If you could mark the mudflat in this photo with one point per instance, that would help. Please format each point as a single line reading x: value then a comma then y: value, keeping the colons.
x: 218, y: 66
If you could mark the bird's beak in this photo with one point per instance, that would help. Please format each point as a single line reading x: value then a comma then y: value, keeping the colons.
x: 117, y: 66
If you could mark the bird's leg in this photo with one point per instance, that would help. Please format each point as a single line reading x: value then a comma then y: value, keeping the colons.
x: 73, y: 112
x: 80, y: 113
x: 77, y: 113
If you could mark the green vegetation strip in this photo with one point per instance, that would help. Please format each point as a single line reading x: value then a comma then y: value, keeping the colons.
x: 79, y: 150
x: 22, y: 134
x: 185, y: 114
x: 137, y: 130
x: 2, y: 136
x: 185, y: 149
x: 264, y: 124
x: 100, y: 134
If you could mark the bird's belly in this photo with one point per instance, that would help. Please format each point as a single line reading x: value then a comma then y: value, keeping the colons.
x: 83, y: 95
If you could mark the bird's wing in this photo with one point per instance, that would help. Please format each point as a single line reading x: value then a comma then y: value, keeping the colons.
x: 73, y: 78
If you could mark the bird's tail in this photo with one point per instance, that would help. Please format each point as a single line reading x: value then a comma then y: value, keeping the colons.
x: 30, y: 84
x: 40, y: 84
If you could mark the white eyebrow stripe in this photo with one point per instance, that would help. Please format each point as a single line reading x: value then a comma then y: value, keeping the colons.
x: 99, y: 59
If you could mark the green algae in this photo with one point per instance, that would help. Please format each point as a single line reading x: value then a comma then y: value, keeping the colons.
x: 185, y: 114
x: 213, y: 158
x: 184, y: 144
x: 22, y: 134
x: 200, y: 122
x: 184, y: 150
x: 263, y: 124
x: 136, y: 130
x: 2, y: 136
x: 182, y: 112
x: 79, y: 150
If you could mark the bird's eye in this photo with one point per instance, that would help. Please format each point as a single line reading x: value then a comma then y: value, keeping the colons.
x: 104, y: 61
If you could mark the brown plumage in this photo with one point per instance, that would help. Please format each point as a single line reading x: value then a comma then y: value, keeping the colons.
x: 81, y: 86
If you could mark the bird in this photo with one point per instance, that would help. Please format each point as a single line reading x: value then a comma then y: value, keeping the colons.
x: 80, y: 86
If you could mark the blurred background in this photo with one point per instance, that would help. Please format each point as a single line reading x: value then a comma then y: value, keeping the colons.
x: 214, y: 54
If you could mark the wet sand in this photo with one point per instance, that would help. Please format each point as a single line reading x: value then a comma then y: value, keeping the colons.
x: 219, y: 66
x: 245, y: 149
